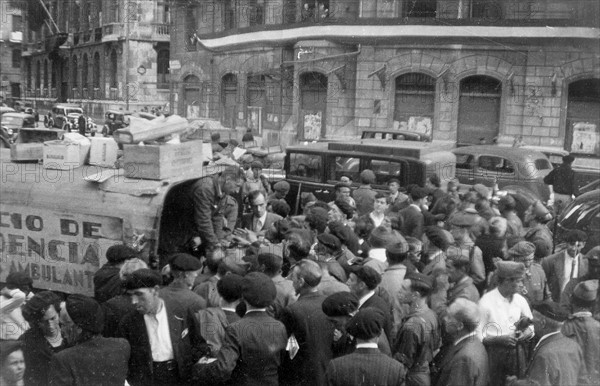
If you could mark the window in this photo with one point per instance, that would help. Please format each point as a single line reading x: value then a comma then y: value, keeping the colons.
x: 464, y: 161
x: 113, y: 69
x: 415, y: 102
x: 84, y: 71
x: 385, y: 170
x: 496, y: 164
x: 479, y: 110
x: 96, y: 73
x: 542, y: 164
x: 419, y: 8
x: 306, y: 166
x: 347, y: 166
x: 191, y: 26
x: 16, y: 58
x: 229, y: 14
x: 163, y: 13
x: 17, y: 23
x: 162, y: 69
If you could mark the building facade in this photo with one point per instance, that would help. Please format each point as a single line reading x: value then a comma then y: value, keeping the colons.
x: 471, y: 71
x: 11, y: 38
x: 102, y: 54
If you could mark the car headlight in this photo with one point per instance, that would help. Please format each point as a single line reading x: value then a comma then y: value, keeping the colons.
x: 9, y: 131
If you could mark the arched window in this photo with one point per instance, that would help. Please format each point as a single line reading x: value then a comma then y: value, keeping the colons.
x: 479, y: 110
x: 415, y: 103
x: 46, y: 80
x: 96, y: 73
x: 38, y: 75
x: 113, y: 69
x: 191, y: 96
x: 162, y: 69
x: 84, y: 71
x: 313, y: 104
x: 229, y: 100
x: 74, y: 72
x: 28, y: 66
x: 583, y: 117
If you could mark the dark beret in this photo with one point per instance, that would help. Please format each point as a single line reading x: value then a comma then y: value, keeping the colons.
x: 366, y: 324
x: 344, y: 207
x: 258, y: 290
x: 8, y: 347
x: 86, y: 313
x: 142, y: 278
x: 575, y: 235
x: 418, y: 192
x: 282, y: 186
x: 119, y: 253
x: 568, y: 159
x: 230, y: 286
x: 35, y: 307
x: 18, y: 279
x: 184, y: 262
x: 398, y: 248
x: 393, y: 180
x: 367, y: 275
x: 510, y: 269
x: 421, y: 280
x: 382, y: 236
x: 593, y: 256
x: 551, y: 310
x: 330, y: 241
x: 437, y: 237
x: 340, y: 304
x: 341, y: 231
x: 507, y: 202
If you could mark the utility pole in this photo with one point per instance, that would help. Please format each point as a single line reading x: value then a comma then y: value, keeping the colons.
x: 128, y: 9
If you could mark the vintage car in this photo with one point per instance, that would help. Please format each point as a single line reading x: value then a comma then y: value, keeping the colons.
x: 583, y: 214
x: 394, y: 135
x: 508, y: 166
x: 114, y: 120
x: 62, y: 114
x: 6, y: 109
x: 316, y: 167
x: 13, y: 122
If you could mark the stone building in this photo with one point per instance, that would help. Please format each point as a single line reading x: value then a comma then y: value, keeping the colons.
x: 111, y: 54
x: 11, y: 37
x: 470, y: 71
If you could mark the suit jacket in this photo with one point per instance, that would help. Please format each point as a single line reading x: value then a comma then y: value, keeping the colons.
x: 133, y: 328
x: 38, y: 354
x: 183, y: 297
x: 557, y: 360
x: 98, y: 361
x: 554, y: 267
x: 364, y: 196
x: 413, y: 222
x: 314, y: 333
x: 107, y: 283
x: 247, y: 222
x: 585, y: 330
x: 251, y: 353
x: 115, y: 310
x: 377, y: 301
x: 366, y: 366
x: 464, y: 364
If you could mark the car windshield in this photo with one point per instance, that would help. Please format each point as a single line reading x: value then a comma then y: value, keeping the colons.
x: 74, y: 111
x: 578, y: 215
x: 8, y: 120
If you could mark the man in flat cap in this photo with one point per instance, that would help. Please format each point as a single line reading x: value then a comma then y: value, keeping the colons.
x: 556, y: 360
x: 419, y: 336
x: 306, y: 321
x: 502, y: 308
x: 364, y: 195
x: 565, y: 265
x: 94, y: 360
x: 107, y: 283
x: 159, y: 333
x: 366, y: 365
x: 280, y: 191
x: 253, y: 346
x: 593, y: 259
x: 412, y: 216
x: 585, y: 330
x: 535, y: 219
x: 562, y: 184
x: 328, y: 246
x: 464, y: 361
x: 12, y: 297
x: 535, y: 285
x: 184, y: 270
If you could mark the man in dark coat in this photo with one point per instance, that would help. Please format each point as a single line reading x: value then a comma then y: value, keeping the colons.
x: 252, y: 349
x: 464, y: 361
x: 562, y: 183
x: 81, y: 124
x: 306, y: 321
x: 160, y: 334
x: 412, y: 215
x: 107, y: 283
x: 364, y: 195
x: 94, y: 360
x: 593, y: 258
x: 366, y: 365
x: 565, y: 265
x: 536, y: 218
x: 184, y: 269
x: 260, y: 220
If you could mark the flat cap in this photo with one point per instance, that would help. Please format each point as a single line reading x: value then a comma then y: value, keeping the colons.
x: 367, y: 275
x: 367, y: 176
x: 256, y: 165
x: 366, y: 324
x: 281, y: 186
x: 521, y: 250
x: 258, y: 289
x: 230, y: 287
x: 184, y: 262
x: 119, y: 253
x: 481, y: 190
x: 540, y: 211
x: 398, y: 248
x: 382, y: 236
x: 18, y: 279
x: 142, y: 278
x: 86, y: 313
x: 510, y: 269
x: 340, y: 304
x: 437, y: 237
x: 586, y: 290
x: 593, y: 256
x: 421, y: 279
x: 330, y: 241
x: 551, y: 310
x: 463, y: 219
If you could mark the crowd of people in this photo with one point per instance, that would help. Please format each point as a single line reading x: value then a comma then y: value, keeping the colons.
x: 418, y: 286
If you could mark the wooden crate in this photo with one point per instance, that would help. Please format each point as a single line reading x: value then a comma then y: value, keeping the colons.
x: 158, y: 162
x: 29, y: 145
x: 26, y: 151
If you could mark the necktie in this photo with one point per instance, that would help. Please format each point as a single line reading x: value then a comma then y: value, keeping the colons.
x: 258, y: 225
x: 573, y: 266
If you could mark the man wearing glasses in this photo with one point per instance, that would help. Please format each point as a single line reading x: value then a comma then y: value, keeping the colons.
x: 565, y: 265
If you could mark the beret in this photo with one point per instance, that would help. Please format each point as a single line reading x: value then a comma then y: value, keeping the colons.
x: 367, y: 275
x: 437, y: 237
x: 421, y: 279
x: 366, y: 324
x: 85, y: 312
x: 586, y: 290
x: 508, y: 202
x: 256, y: 165
x: 281, y: 186
x: 185, y: 262
x: 398, y: 248
x: 418, y: 192
x: 482, y: 190
x: 35, y: 307
x: 551, y: 310
x: 381, y: 237
x: 568, y: 159
x: 142, y: 278
x: 393, y: 180
x: 340, y: 304
x: 593, y: 256
x: 330, y: 241
x: 318, y: 213
x: 521, y: 249
x: 575, y: 235
x: 510, y: 269
x: 540, y: 211
x: 8, y: 347
x: 258, y: 289
x: 230, y: 286
x: 18, y: 279
x: 463, y: 219
x: 345, y: 207
x: 367, y: 175
x: 119, y: 253
x: 341, y: 231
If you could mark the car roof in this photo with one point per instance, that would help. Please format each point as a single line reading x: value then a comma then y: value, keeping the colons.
x: 507, y: 152
x: 68, y: 105
x: 18, y: 115
x: 118, y: 112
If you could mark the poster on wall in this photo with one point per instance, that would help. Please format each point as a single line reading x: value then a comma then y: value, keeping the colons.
x: 420, y: 125
x: 255, y: 119
x: 193, y: 111
x: 312, y: 125
x: 585, y: 138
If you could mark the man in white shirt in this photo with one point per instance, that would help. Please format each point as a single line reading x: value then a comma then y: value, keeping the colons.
x: 502, y: 310
x: 565, y: 265
x: 12, y: 297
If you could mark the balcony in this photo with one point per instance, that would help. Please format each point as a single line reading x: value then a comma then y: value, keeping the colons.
x: 16, y: 37
x: 113, y: 32
x: 152, y: 31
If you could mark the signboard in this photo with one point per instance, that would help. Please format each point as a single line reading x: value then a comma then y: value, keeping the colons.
x: 59, y: 251
x: 585, y: 138
x: 174, y: 65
